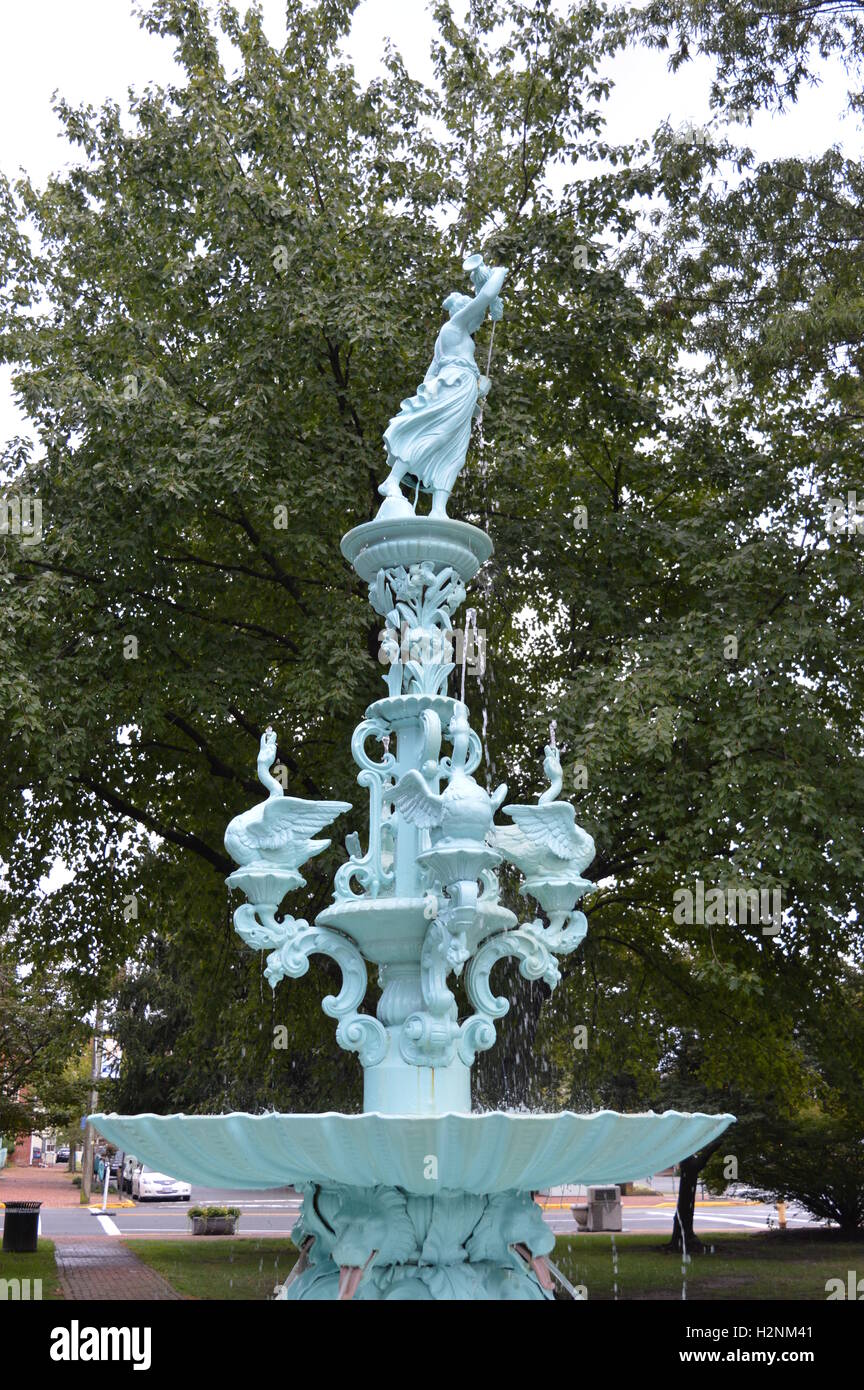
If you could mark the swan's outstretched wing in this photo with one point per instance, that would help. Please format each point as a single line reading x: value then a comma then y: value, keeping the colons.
x: 284, y: 819
x: 290, y: 817
x: 510, y: 840
x: 554, y: 827
x: 418, y: 804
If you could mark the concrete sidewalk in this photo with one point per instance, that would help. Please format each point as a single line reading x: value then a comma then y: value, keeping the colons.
x: 105, y: 1270
x: 50, y: 1186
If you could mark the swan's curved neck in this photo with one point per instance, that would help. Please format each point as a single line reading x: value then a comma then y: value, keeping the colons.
x: 266, y: 780
x: 552, y: 769
x: 460, y: 736
x: 460, y: 752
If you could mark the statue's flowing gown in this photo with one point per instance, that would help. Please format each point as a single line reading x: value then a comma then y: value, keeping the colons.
x: 431, y: 432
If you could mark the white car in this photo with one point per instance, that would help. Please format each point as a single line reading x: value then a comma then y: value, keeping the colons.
x: 150, y: 1185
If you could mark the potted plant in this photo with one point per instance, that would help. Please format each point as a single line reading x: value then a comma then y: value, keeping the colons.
x: 214, y: 1221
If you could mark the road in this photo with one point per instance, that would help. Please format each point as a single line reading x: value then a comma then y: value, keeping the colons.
x: 274, y: 1212
x: 715, y: 1216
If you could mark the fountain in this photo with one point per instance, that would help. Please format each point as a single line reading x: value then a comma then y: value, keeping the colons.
x: 417, y: 1197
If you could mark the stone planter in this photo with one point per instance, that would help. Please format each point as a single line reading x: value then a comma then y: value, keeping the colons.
x: 214, y: 1225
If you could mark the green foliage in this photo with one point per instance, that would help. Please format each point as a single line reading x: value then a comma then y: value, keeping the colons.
x: 39, y: 1035
x: 764, y: 52
x: 813, y: 1154
x: 815, y: 1160
x: 226, y: 298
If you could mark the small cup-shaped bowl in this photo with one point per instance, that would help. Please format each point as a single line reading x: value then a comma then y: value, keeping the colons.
x: 450, y: 861
x: 557, y: 894
x: 263, y: 883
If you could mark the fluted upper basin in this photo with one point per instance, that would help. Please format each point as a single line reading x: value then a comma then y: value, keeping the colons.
x: 388, y: 542
x: 484, y: 1153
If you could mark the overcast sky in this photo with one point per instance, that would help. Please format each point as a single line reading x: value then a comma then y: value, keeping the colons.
x: 90, y: 50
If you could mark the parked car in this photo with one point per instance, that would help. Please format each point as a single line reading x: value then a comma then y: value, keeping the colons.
x: 150, y: 1185
x: 62, y: 1154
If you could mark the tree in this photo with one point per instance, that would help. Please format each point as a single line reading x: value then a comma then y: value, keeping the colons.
x: 230, y: 294
x: 38, y: 1034
x: 814, y: 1160
x: 813, y: 1153
x: 764, y: 51
x: 760, y: 274
x: 208, y: 595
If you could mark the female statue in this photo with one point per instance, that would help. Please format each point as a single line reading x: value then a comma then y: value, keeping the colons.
x: 428, y: 440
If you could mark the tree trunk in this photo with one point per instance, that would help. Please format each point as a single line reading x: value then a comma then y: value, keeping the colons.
x: 684, y: 1238
x: 89, y: 1136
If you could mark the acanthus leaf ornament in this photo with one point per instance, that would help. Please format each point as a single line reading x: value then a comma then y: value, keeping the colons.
x: 417, y: 604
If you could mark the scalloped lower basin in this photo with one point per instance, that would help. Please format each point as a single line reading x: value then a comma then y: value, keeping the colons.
x: 484, y: 1153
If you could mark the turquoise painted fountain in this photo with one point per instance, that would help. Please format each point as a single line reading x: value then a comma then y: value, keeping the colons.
x: 417, y: 1197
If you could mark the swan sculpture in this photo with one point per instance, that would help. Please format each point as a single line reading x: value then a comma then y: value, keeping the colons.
x: 545, y: 838
x: 279, y: 832
x: 463, y: 811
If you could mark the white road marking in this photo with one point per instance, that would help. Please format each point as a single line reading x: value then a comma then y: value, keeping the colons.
x: 737, y: 1221
x: 108, y: 1226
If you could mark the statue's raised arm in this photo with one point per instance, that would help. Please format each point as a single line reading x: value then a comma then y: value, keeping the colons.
x: 428, y: 440
x: 472, y: 314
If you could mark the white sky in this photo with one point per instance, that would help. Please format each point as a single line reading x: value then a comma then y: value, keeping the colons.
x: 90, y: 50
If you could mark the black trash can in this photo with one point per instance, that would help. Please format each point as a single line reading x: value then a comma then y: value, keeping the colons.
x: 21, y: 1227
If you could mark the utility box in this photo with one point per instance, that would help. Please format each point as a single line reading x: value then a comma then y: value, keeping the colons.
x: 601, y: 1212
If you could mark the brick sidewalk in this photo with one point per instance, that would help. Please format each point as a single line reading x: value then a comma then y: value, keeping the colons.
x: 104, y: 1269
x: 50, y: 1186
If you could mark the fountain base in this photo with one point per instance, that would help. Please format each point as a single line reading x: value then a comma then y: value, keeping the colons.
x: 377, y: 1244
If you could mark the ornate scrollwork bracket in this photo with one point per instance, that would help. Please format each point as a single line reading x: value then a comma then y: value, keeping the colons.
x: 368, y: 869
x: 477, y: 1033
x: 429, y: 1035
x: 294, y: 941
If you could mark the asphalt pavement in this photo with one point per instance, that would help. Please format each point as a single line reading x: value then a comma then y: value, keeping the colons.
x: 274, y: 1212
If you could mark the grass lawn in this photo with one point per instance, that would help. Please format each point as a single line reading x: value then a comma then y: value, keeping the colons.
x: 770, y: 1266
x: 39, y: 1265
x: 208, y: 1267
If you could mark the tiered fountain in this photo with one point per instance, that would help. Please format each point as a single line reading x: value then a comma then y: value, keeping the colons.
x: 417, y: 1198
